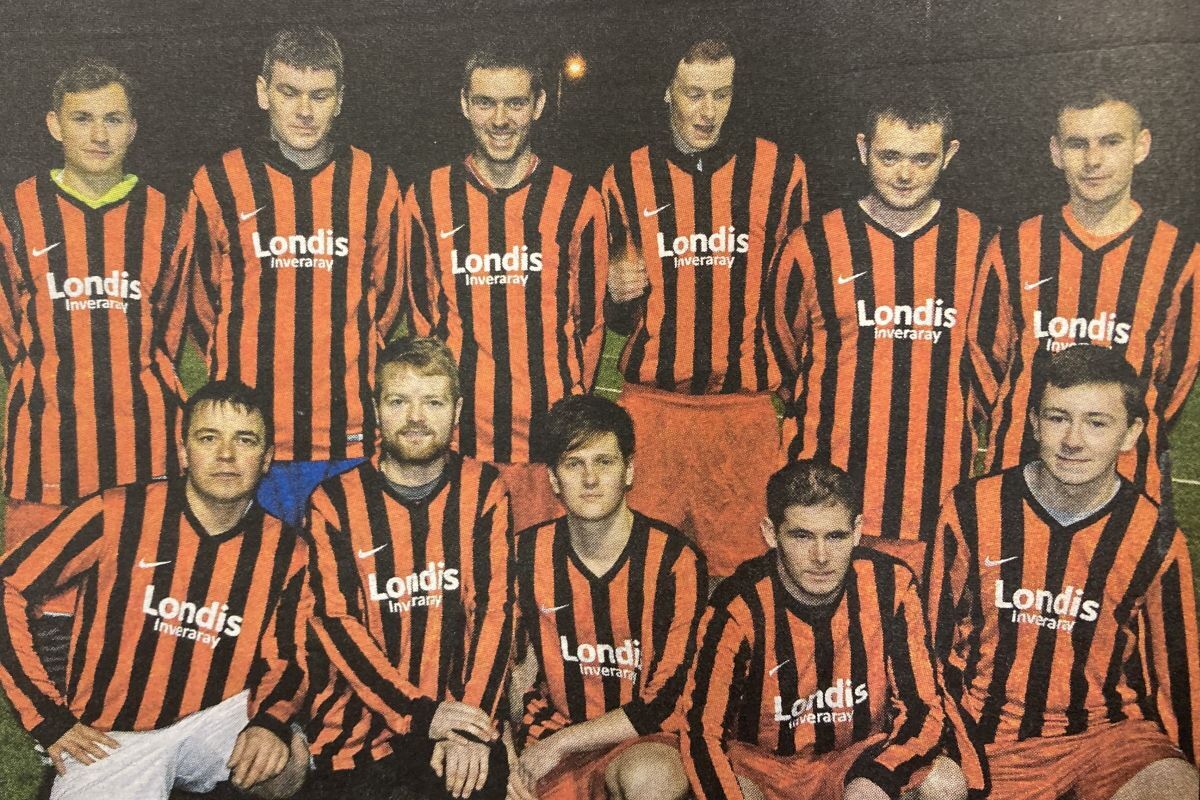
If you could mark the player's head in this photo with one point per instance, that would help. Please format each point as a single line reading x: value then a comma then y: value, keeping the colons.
x: 813, y: 522
x: 92, y: 115
x: 906, y: 141
x: 417, y: 399
x: 1088, y: 408
x: 701, y: 91
x: 587, y: 441
x: 1099, y: 137
x: 501, y: 97
x: 227, y: 441
x: 301, y: 85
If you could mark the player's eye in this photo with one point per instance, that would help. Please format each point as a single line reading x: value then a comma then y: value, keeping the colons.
x: 924, y: 160
x: 694, y: 95
x: 889, y: 158
x: 1112, y: 141
x: 114, y: 119
x: 1076, y: 144
x: 482, y: 102
x: 321, y: 97
x: 80, y: 117
x: 518, y: 103
x: 724, y: 94
x: 288, y: 91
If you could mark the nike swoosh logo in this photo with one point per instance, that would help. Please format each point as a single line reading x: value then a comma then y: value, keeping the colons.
x: 1029, y: 287
x: 556, y: 608
x: 451, y: 232
x: 646, y: 212
x: 245, y: 215
x: 775, y: 668
x: 144, y: 564
x: 369, y: 553
x: 988, y: 562
x: 41, y: 251
x: 854, y: 277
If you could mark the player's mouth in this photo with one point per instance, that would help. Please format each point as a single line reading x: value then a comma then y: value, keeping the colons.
x: 99, y: 153
x: 1096, y: 180
x: 502, y: 138
x: 705, y: 131
x: 305, y: 130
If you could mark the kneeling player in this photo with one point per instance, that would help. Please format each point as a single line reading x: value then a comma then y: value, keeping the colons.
x: 609, y: 601
x: 813, y: 677
x: 183, y: 668
x: 1063, y: 607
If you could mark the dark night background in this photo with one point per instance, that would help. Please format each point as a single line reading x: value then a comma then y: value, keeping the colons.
x: 801, y: 78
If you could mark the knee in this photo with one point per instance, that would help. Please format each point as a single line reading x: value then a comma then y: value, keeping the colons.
x: 945, y: 781
x: 750, y: 789
x: 650, y: 771
x: 1168, y: 777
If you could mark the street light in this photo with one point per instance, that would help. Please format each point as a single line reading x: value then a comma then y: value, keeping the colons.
x: 574, y: 68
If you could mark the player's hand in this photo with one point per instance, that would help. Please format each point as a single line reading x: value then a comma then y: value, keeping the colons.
x: 452, y: 715
x: 258, y: 755
x: 462, y: 764
x: 627, y: 275
x: 863, y: 789
x: 82, y: 743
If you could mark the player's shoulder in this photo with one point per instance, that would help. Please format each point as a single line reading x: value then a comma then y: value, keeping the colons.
x: 542, y: 533
x: 879, y: 566
x: 666, y: 538
x: 332, y: 494
x: 473, y: 470
x: 742, y: 586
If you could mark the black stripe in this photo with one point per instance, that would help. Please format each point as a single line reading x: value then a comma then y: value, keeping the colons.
x: 565, y: 618
x: 136, y: 232
x: 903, y: 354
x: 102, y: 365
x: 502, y: 385
x: 822, y: 272
x: 341, y: 205
x: 866, y: 292
x: 702, y: 366
x: 857, y: 623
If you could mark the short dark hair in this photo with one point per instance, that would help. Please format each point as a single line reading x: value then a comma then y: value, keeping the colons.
x: 810, y: 483
x: 234, y: 393
x: 87, y: 74
x: 1083, y: 97
x: 712, y: 48
x: 577, y: 419
x: 914, y: 103
x: 305, y: 47
x: 424, y: 355
x: 1088, y: 363
x: 497, y: 55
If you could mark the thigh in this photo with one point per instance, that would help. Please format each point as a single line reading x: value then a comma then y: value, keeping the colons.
x: 1116, y: 753
x: 1036, y: 769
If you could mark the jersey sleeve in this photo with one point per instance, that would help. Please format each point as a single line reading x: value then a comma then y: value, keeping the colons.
x: 388, y: 259
x: 795, y: 211
x: 339, y: 621
x: 428, y: 305
x: 279, y: 692
x: 169, y: 298
x: 540, y: 718
x: 199, y: 255
x: 1178, y: 350
x: 49, y: 561
x: 949, y: 583
x: 621, y: 234
x: 489, y: 642
x: 991, y: 344
x: 11, y: 304
x: 588, y: 254
x: 787, y: 324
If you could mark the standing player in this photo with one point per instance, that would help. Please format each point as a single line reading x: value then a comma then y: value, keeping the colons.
x: 295, y: 283
x: 509, y: 275
x: 695, y: 218
x: 185, y: 669
x: 868, y: 312
x: 1063, y: 607
x: 1100, y: 270
x: 91, y: 321
x: 411, y: 555
x: 814, y: 677
x: 608, y: 600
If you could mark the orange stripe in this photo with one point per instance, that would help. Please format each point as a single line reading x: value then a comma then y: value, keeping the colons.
x: 883, y: 275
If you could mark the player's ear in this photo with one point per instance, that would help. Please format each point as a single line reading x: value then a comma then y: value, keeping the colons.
x: 1132, y: 435
x: 260, y: 89
x: 768, y: 532
x: 1142, y: 149
x: 951, y: 150
x: 857, y: 529
x: 341, y: 95
x: 539, y: 104
x: 267, y: 458
x: 1035, y: 421
x: 53, y: 125
x: 554, y: 484
x: 861, y: 141
x: 1056, y: 152
x: 458, y: 404
x: 629, y: 474
x: 132, y: 131
x: 462, y: 102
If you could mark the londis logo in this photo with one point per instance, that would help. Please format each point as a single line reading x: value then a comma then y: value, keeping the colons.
x: 481, y: 270
x: 1062, y: 332
x: 302, y: 252
x: 603, y: 660
x: 1068, y: 606
x: 207, y: 624
x: 823, y: 705
x: 699, y: 250
x: 925, y: 322
x: 112, y: 292
x: 419, y: 588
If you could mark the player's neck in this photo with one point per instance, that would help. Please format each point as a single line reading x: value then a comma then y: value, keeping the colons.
x: 92, y: 185
x: 1107, y: 217
x: 411, y: 473
x: 216, y: 516
x: 306, y: 159
x: 1070, y: 500
x: 681, y: 145
x: 599, y: 543
x: 900, y: 221
x: 504, y: 174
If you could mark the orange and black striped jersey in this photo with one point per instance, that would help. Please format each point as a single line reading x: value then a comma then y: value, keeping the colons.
x: 1046, y: 285
x: 91, y: 320
x: 169, y: 619
x: 1046, y: 630
x: 296, y: 286
x: 871, y: 329
x: 620, y: 640
x: 413, y: 606
x: 806, y: 680
x: 513, y: 280
x: 707, y: 226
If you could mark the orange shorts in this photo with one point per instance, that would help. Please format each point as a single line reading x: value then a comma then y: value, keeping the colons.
x: 581, y: 777
x: 1093, y: 765
x: 803, y: 777
x: 702, y: 466
x: 532, y: 498
x: 23, y: 519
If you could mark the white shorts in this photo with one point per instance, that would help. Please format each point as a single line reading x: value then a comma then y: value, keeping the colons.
x: 189, y: 755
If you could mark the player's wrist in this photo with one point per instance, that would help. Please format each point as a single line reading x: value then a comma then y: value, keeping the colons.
x: 281, y: 730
